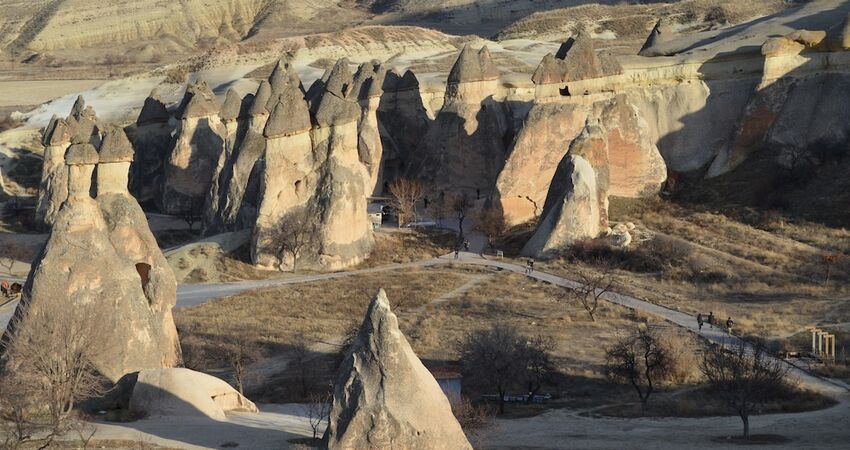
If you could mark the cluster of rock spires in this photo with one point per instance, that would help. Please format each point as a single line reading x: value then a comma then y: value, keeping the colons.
x: 100, y: 252
x: 261, y: 161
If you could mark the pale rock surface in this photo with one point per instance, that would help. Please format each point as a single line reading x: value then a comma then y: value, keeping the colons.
x: 571, y: 211
x: 53, y: 187
x: 182, y: 392
x: 384, y: 397
x: 367, y: 90
x: 93, y: 256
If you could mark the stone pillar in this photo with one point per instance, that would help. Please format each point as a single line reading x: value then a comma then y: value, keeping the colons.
x: 81, y: 159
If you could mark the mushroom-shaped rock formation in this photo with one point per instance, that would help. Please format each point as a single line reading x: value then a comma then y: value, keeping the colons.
x: 198, y: 145
x: 384, y: 397
x: 179, y: 392
x: 90, y: 261
x: 152, y: 141
x: 464, y: 148
x: 367, y: 89
x: 576, y: 60
x: 473, y: 66
x: 261, y: 99
x: 571, y: 211
x: 53, y: 186
x: 333, y: 106
x: 661, y: 33
x: 403, y: 122
x: 83, y: 122
x: 231, y: 107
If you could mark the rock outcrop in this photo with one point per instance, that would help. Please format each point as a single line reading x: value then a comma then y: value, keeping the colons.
x: 463, y: 149
x: 623, y: 154
x: 179, y: 392
x: 101, y: 253
x: 384, y: 397
x: 367, y: 90
x: 402, y: 121
x: 571, y: 211
x: 152, y: 140
x: 53, y: 187
x: 198, y: 145
x: 661, y: 33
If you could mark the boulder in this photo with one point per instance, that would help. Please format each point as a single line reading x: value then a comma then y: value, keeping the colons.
x: 179, y: 392
x: 384, y: 397
x: 571, y: 212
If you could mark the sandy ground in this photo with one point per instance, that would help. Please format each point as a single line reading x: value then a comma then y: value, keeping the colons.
x: 20, y: 92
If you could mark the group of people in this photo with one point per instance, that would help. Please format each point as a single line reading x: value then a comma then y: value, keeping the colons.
x: 465, y: 248
x: 700, y: 321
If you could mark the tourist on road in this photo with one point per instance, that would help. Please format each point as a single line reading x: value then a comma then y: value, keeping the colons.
x: 711, y: 319
x: 529, y: 266
x: 729, y: 323
x: 699, y: 321
x: 466, y: 245
x: 457, y: 253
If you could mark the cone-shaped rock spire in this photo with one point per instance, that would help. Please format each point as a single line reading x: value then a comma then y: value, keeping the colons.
x: 384, y: 397
x: 473, y: 66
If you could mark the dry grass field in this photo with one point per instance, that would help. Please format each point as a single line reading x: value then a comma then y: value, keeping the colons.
x: 765, y: 271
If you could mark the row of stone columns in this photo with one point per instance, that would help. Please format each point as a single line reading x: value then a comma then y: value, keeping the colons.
x: 823, y: 343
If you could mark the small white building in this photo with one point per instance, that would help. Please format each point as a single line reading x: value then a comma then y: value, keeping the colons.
x: 376, y: 214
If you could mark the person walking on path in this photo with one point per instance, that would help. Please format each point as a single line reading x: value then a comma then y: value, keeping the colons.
x: 729, y: 323
x: 466, y: 245
x: 457, y: 252
x: 699, y: 321
x: 711, y: 319
x: 529, y: 266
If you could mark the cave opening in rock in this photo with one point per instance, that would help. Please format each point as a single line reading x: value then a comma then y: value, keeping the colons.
x: 144, y: 271
x: 565, y: 91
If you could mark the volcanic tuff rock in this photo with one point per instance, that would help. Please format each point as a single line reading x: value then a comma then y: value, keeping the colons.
x: 384, y: 397
x: 571, y: 212
x: 576, y: 59
x: 101, y: 252
x: 662, y: 32
x: 53, y: 187
x: 198, y: 144
x: 402, y: 120
x: 367, y: 89
x: 464, y: 146
x: 183, y: 392
x: 151, y: 139
x: 626, y: 159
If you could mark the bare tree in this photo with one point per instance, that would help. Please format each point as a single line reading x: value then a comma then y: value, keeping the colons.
x: 405, y: 193
x: 50, y: 361
x: 194, y: 214
x: 830, y: 260
x: 295, y: 234
x: 491, y: 222
x: 501, y: 358
x: 318, y: 410
x: 475, y: 420
x: 13, y: 252
x: 745, y: 377
x: 538, y: 364
x: 640, y: 359
x: 242, y: 352
x: 593, y: 285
